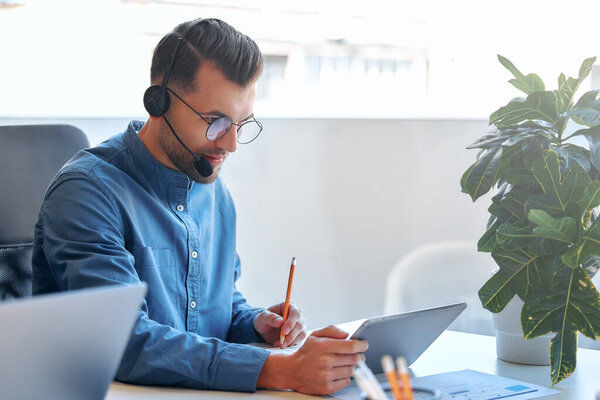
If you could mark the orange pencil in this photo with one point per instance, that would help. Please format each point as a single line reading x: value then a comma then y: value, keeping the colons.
x: 407, y: 390
x: 286, y: 307
x: 390, y: 373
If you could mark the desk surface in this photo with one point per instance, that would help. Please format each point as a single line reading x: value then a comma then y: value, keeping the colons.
x: 452, y: 351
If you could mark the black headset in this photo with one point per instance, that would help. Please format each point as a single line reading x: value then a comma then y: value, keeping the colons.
x: 157, y: 102
x: 156, y: 98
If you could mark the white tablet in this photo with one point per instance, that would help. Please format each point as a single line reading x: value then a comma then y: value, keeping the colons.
x: 408, y: 334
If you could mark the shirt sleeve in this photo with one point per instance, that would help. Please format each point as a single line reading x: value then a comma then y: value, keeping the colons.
x: 83, y: 242
x: 242, y: 315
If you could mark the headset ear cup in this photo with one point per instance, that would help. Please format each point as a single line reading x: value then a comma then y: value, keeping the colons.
x: 155, y: 104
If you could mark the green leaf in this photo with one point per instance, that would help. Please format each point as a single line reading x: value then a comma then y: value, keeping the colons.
x: 563, y: 355
x: 513, y: 237
x: 491, y: 139
x: 544, y: 202
x: 514, y: 202
x: 593, y: 137
x: 467, y: 173
x: 531, y: 149
x: 520, y: 273
x: 514, y: 140
x: 520, y: 176
x: 545, y: 247
x: 538, y: 105
x: 575, y: 182
x: 546, y: 169
x: 562, y: 192
x: 527, y: 84
x: 572, y: 304
x: 566, y: 91
x: 500, y: 136
x: 577, y: 155
x: 586, y: 67
x: 487, y: 242
x: 561, y: 79
x: 588, y: 99
x: 591, y: 197
x: 482, y: 175
x: 562, y: 229
x: 594, y: 150
x: 586, y: 111
x: 594, y: 131
x: 587, y: 246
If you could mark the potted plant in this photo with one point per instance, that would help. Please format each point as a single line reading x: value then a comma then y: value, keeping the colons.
x: 543, y: 231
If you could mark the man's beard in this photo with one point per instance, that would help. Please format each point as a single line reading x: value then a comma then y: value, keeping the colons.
x: 182, y: 159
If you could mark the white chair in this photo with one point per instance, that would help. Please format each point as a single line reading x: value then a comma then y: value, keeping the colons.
x: 441, y: 273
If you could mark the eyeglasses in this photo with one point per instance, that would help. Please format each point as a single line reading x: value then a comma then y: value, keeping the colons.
x: 218, y: 125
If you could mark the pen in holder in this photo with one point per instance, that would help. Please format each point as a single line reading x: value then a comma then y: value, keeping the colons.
x: 367, y: 382
x: 400, y: 389
x: 419, y: 393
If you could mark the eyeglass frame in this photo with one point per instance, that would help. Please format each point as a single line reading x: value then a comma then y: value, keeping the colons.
x: 218, y: 117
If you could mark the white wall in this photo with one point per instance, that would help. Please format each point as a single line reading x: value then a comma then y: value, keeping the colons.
x: 348, y: 198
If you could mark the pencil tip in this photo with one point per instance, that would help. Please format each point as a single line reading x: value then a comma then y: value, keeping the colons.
x: 293, y: 260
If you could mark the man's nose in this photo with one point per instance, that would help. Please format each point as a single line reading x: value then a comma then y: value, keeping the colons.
x: 229, y: 140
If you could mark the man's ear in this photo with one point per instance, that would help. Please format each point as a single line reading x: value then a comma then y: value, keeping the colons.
x: 152, y: 117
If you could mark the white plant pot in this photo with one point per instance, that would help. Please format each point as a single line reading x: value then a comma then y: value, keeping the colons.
x: 510, y: 344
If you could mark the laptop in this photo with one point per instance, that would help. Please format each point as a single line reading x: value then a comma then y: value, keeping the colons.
x: 407, y: 334
x: 65, y: 346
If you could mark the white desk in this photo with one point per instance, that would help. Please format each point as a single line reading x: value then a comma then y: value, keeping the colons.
x: 450, y: 352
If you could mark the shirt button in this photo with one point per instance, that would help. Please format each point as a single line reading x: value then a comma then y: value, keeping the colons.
x: 193, y: 304
x: 180, y: 207
x: 194, y: 254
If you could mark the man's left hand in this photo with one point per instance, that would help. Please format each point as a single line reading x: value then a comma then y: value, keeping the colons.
x: 269, y: 323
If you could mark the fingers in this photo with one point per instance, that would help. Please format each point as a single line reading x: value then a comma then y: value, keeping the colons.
x: 338, y: 385
x: 294, y: 328
x: 331, y: 332
x: 267, y: 319
x: 338, y: 379
x: 348, y: 360
x: 294, y: 316
x: 341, y: 373
x: 351, y: 346
x: 297, y: 335
x: 274, y: 320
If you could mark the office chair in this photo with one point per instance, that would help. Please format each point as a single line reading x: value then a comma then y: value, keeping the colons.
x: 30, y: 156
x: 442, y: 273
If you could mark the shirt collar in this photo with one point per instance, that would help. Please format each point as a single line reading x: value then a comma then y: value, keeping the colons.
x: 151, y: 167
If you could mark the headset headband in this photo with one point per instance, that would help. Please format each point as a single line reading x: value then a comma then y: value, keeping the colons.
x: 180, y: 39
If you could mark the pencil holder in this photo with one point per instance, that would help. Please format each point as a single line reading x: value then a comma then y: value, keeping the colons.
x: 419, y: 393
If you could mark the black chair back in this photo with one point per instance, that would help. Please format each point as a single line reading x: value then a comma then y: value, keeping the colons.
x: 30, y: 156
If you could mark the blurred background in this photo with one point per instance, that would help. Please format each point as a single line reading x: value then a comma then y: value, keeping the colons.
x: 367, y: 110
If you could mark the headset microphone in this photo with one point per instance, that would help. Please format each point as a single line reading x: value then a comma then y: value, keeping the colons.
x: 202, y: 165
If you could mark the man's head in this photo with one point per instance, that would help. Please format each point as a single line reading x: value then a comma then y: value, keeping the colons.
x: 210, y: 40
x: 213, y: 75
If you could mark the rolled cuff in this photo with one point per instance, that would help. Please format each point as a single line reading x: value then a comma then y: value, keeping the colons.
x: 239, y: 367
x: 242, y: 329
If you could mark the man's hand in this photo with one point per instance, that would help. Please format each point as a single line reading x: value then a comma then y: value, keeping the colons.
x: 269, y: 325
x: 323, y: 365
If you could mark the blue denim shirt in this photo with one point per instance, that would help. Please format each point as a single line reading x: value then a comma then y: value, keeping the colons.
x: 115, y: 215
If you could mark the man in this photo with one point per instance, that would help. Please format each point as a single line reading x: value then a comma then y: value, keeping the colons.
x: 148, y: 205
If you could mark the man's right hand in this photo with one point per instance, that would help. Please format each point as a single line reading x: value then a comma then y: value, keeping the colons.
x: 323, y: 365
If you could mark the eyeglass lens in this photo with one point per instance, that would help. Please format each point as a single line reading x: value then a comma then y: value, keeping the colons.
x: 218, y: 128
x: 247, y: 132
